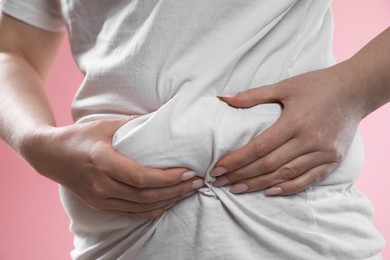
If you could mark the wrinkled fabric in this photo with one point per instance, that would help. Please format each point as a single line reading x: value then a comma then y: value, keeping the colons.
x: 167, y: 61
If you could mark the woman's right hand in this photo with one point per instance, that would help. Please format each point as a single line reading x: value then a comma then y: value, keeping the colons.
x: 81, y: 158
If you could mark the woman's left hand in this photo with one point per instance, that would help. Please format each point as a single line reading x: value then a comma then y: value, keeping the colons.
x: 319, y: 120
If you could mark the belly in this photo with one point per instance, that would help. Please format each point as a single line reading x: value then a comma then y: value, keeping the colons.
x: 196, y: 131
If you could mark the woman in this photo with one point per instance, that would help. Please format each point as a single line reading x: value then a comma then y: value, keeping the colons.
x: 167, y: 62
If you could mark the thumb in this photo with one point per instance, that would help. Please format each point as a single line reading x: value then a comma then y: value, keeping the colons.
x: 115, y: 124
x: 253, y: 96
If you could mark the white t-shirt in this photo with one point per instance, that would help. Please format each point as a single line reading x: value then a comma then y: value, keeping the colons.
x: 168, y: 60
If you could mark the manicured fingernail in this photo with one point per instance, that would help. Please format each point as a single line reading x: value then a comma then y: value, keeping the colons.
x: 188, y: 175
x: 218, y: 171
x: 273, y: 191
x: 221, y: 181
x: 197, y: 184
x: 239, y: 188
x: 134, y: 117
x: 228, y: 95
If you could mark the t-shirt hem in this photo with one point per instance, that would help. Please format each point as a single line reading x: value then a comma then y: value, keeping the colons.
x: 29, y: 15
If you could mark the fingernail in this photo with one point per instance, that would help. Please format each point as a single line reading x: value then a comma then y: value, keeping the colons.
x: 228, y: 95
x: 218, y: 171
x: 197, y: 184
x: 273, y: 191
x: 221, y: 181
x: 188, y: 175
x: 239, y: 188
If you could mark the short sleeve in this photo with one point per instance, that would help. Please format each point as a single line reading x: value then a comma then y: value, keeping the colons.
x: 44, y: 14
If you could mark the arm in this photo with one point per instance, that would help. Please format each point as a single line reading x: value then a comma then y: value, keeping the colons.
x: 80, y: 157
x: 301, y: 148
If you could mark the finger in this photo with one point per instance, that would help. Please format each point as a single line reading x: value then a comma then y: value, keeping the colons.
x: 152, y: 214
x: 152, y: 195
x: 265, y: 143
x: 130, y: 172
x: 134, y: 207
x: 133, y: 174
x: 253, y: 96
x: 269, y: 163
x: 287, y: 172
x: 110, y: 126
x: 302, y: 182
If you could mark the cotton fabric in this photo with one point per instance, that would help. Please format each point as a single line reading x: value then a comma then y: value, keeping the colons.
x: 167, y: 61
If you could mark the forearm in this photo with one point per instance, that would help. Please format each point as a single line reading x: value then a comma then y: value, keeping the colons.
x: 24, y: 107
x: 368, y: 72
x: 26, y: 56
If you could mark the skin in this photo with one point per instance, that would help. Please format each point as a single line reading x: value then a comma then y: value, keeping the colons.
x: 321, y: 112
x: 297, y: 151
x: 80, y: 157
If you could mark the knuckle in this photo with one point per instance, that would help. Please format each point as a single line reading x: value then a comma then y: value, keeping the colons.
x: 237, y: 176
x: 298, y: 122
x: 316, y: 138
x: 333, y: 148
x: 238, y: 162
x: 147, y: 197
x: 270, y: 164
x: 252, y: 93
x: 138, y: 179
x: 258, y: 184
x: 294, y: 187
x: 322, y: 174
x: 183, y: 189
x: 335, y: 153
x: 287, y: 172
x: 97, y: 190
x: 102, y: 123
x: 95, y: 156
x: 259, y: 148
x: 138, y: 207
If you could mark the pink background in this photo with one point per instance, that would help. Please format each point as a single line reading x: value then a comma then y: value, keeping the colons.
x: 33, y: 224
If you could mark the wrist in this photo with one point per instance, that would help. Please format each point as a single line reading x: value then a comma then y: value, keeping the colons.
x: 369, y: 70
x: 32, y: 142
x: 367, y: 85
x: 348, y: 89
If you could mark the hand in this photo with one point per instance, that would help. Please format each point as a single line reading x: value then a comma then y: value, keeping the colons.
x: 319, y: 119
x: 81, y: 158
